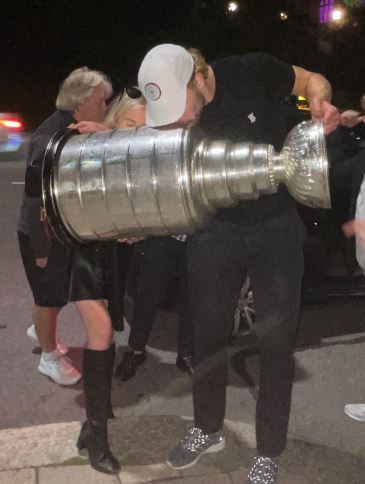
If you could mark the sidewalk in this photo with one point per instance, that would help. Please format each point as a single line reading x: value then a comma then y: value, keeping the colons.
x: 46, y: 454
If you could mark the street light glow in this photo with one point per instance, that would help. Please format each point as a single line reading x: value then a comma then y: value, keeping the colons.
x: 338, y: 14
x: 284, y: 15
x: 232, y: 7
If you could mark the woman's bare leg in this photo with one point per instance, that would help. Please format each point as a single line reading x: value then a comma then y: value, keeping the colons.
x: 97, y: 322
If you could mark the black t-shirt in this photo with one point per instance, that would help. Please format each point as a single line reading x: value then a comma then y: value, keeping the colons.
x: 37, y: 148
x: 29, y: 220
x: 246, y: 107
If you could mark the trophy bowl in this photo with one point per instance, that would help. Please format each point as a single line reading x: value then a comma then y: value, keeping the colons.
x: 305, y: 165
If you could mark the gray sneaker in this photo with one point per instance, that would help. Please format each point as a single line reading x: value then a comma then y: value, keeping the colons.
x: 188, y: 451
x: 264, y: 471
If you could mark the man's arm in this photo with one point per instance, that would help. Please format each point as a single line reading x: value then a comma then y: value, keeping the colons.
x: 318, y: 91
x: 310, y: 84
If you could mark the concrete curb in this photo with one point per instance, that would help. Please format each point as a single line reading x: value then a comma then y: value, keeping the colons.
x: 54, y: 444
x: 46, y: 454
x: 37, y: 446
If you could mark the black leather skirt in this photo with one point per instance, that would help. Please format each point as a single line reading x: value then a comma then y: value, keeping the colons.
x: 94, y: 274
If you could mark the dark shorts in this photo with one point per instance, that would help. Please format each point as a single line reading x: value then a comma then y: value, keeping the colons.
x: 48, y: 285
x: 89, y: 272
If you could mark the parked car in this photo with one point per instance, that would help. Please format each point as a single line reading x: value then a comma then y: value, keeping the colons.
x: 13, y: 137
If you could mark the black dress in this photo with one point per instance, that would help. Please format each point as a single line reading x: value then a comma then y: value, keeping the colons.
x: 94, y: 274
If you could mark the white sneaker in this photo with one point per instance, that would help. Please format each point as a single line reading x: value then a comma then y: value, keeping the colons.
x: 31, y: 332
x: 57, y: 367
x: 356, y: 411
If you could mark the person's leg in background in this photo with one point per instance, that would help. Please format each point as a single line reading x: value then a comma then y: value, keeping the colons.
x: 185, y: 350
x: 275, y: 267
x: 356, y: 410
x: 44, y: 333
x: 47, y: 289
x: 114, y: 258
x: 157, y: 269
x: 53, y: 363
x: 124, y: 256
x: 98, y: 362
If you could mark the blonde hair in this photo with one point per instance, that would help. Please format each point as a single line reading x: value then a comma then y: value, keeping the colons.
x: 78, y: 86
x: 200, y: 64
x: 120, y: 106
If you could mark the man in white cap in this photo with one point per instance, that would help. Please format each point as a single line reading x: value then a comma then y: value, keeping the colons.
x: 238, y: 98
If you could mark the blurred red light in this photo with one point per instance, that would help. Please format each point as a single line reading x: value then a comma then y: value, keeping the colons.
x: 12, y: 124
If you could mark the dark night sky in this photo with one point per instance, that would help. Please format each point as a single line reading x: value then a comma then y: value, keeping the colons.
x: 43, y: 40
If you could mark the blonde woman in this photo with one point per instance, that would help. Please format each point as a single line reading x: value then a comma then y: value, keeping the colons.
x: 164, y: 260
x: 97, y: 275
x: 126, y: 111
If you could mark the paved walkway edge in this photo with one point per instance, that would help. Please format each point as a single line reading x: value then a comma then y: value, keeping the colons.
x: 54, y: 444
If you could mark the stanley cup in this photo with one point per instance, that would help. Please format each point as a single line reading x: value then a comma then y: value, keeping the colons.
x: 140, y: 182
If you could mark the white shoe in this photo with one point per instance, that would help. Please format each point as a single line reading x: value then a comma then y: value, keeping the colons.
x: 57, y: 367
x: 356, y: 411
x: 31, y: 332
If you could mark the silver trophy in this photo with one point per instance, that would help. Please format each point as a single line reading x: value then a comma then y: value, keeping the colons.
x: 140, y: 182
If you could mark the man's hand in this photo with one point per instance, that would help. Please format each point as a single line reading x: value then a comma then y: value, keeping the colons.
x: 132, y: 240
x: 325, y: 112
x: 348, y: 228
x: 41, y: 262
x: 355, y: 227
x: 88, y: 127
x: 351, y: 118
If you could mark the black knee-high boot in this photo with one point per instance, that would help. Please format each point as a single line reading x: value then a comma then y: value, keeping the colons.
x: 94, y: 432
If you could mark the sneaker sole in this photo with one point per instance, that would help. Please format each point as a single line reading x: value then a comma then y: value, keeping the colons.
x: 73, y: 382
x: 211, y: 450
x: 355, y: 417
x: 33, y: 338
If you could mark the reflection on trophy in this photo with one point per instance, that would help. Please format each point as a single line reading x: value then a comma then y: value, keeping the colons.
x: 139, y: 182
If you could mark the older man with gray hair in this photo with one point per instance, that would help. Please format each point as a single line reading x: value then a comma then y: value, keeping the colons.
x: 82, y: 96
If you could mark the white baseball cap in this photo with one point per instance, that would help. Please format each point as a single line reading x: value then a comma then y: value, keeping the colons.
x: 163, y: 78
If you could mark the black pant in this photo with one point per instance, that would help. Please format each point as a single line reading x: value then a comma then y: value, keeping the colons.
x: 164, y: 260
x: 271, y: 252
x: 117, y: 268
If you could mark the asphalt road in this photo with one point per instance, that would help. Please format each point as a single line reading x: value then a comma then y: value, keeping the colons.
x: 330, y: 359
